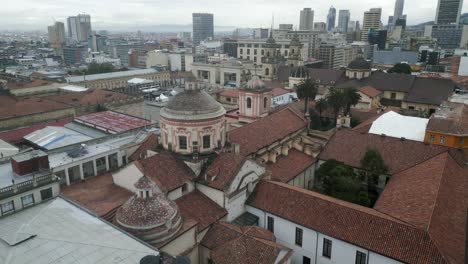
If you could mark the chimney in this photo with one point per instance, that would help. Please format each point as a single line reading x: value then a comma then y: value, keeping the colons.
x: 30, y: 162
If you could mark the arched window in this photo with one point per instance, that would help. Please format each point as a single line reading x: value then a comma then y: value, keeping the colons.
x: 267, y: 71
x: 265, y: 102
x: 249, y: 102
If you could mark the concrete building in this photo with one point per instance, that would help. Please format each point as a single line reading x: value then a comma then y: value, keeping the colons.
x: 157, y: 58
x: 371, y: 21
x: 335, y: 56
x: 394, y: 56
x: 260, y: 33
x: 448, y: 11
x: 122, y: 51
x: 448, y: 36
x: 56, y: 34
x: 331, y: 19
x: 306, y: 19
x: 320, y: 26
x: 228, y: 73
x: 343, y: 20
x: 74, y: 55
x: 180, y: 61
x: 398, y: 11
x: 203, y: 27
x: 79, y: 27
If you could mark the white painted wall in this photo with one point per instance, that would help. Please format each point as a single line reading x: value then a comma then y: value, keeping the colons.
x: 127, y: 177
x: 312, y: 243
x: 215, y: 195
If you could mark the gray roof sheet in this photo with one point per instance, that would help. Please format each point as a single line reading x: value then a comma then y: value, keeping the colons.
x: 109, y: 75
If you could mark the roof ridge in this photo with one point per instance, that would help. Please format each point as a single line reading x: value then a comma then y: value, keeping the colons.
x: 419, y: 163
x: 438, y: 189
x: 339, y: 202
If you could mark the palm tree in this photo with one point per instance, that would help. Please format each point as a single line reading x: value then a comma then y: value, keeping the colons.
x: 306, y: 90
x: 321, y: 105
x: 335, y: 100
x: 351, y: 98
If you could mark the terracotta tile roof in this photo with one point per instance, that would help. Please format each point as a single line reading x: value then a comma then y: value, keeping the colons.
x: 165, y: 170
x: 288, y: 167
x: 370, y: 91
x: 90, y: 97
x: 431, y: 196
x: 279, y: 91
x: 361, y: 226
x: 267, y: 130
x: 150, y: 143
x: 349, y: 146
x: 235, y: 244
x: 221, y: 172
x: 391, y: 81
x: 30, y: 105
x: 230, y: 93
x: 98, y: 194
x: 200, y: 208
x: 451, y: 119
x: 17, y: 135
x: 326, y: 75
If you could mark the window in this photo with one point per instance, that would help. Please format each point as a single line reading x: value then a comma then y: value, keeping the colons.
x: 306, y: 260
x: 249, y: 102
x: 393, y: 96
x: 442, y: 139
x: 185, y: 188
x: 327, y: 248
x: 206, y: 141
x: 255, y: 52
x: 361, y: 258
x: 27, y: 200
x: 267, y: 71
x: 271, y: 224
x: 8, y: 207
x: 241, y: 51
x: 461, y: 140
x: 431, y: 138
x: 265, y: 102
x: 248, y: 51
x: 248, y: 57
x: 46, y: 194
x: 182, y: 142
x: 263, y: 52
x: 411, y: 108
x: 298, y: 236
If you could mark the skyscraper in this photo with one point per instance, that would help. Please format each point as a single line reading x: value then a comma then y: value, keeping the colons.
x: 56, y: 34
x: 371, y: 21
x: 343, y: 20
x: 306, y: 19
x: 448, y: 11
x: 203, y: 27
x: 79, y: 27
x: 331, y: 18
x: 398, y: 13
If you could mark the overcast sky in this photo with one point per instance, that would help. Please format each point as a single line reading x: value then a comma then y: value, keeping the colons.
x: 121, y: 14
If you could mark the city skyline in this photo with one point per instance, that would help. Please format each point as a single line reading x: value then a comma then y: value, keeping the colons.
x: 130, y: 15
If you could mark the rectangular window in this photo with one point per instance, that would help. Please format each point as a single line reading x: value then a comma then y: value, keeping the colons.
x: 46, y: 194
x: 241, y: 51
x: 393, y: 96
x: 263, y: 52
x: 327, y: 248
x: 27, y: 200
x: 462, y: 140
x: 442, y: 139
x: 182, y: 142
x: 255, y: 52
x: 248, y: 51
x: 299, y: 236
x: 431, y: 138
x: 361, y: 258
x: 8, y: 207
x: 206, y: 141
x: 271, y: 224
x: 306, y: 260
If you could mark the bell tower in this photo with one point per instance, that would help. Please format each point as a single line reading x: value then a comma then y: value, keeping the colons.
x: 294, y: 53
x: 271, y: 59
x: 254, y: 100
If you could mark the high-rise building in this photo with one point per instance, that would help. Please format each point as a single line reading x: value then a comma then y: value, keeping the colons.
x: 320, y: 26
x: 203, y: 27
x: 371, y: 21
x: 306, y: 19
x: 79, y: 27
x: 56, y: 34
x: 448, y: 11
x: 398, y: 12
x: 331, y: 18
x: 343, y: 20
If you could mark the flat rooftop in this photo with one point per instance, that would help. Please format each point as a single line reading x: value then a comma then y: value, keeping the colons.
x: 102, y: 76
x: 58, y: 231
x: 112, y: 122
x: 52, y: 137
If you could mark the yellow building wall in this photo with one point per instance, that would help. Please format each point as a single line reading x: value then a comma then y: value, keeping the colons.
x: 450, y: 140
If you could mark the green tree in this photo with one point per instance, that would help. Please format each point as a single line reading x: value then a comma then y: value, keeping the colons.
x: 351, y: 97
x: 307, y: 90
x: 321, y: 105
x: 336, y: 101
x: 400, y: 68
x: 373, y: 166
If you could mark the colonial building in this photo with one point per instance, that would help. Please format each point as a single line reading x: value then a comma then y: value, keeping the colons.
x: 254, y: 100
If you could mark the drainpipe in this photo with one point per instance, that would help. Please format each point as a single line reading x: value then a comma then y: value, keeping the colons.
x: 316, y: 247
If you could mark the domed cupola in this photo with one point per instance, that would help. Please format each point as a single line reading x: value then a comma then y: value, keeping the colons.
x: 192, y: 122
x: 358, y: 68
x: 150, y: 216
x: 299, y: 72
x: 255, y: 84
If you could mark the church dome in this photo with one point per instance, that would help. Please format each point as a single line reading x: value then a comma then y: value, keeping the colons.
x: 192, y: 105
x: 150, y: 216
x: 359, y: 64
x: 299, y: 72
